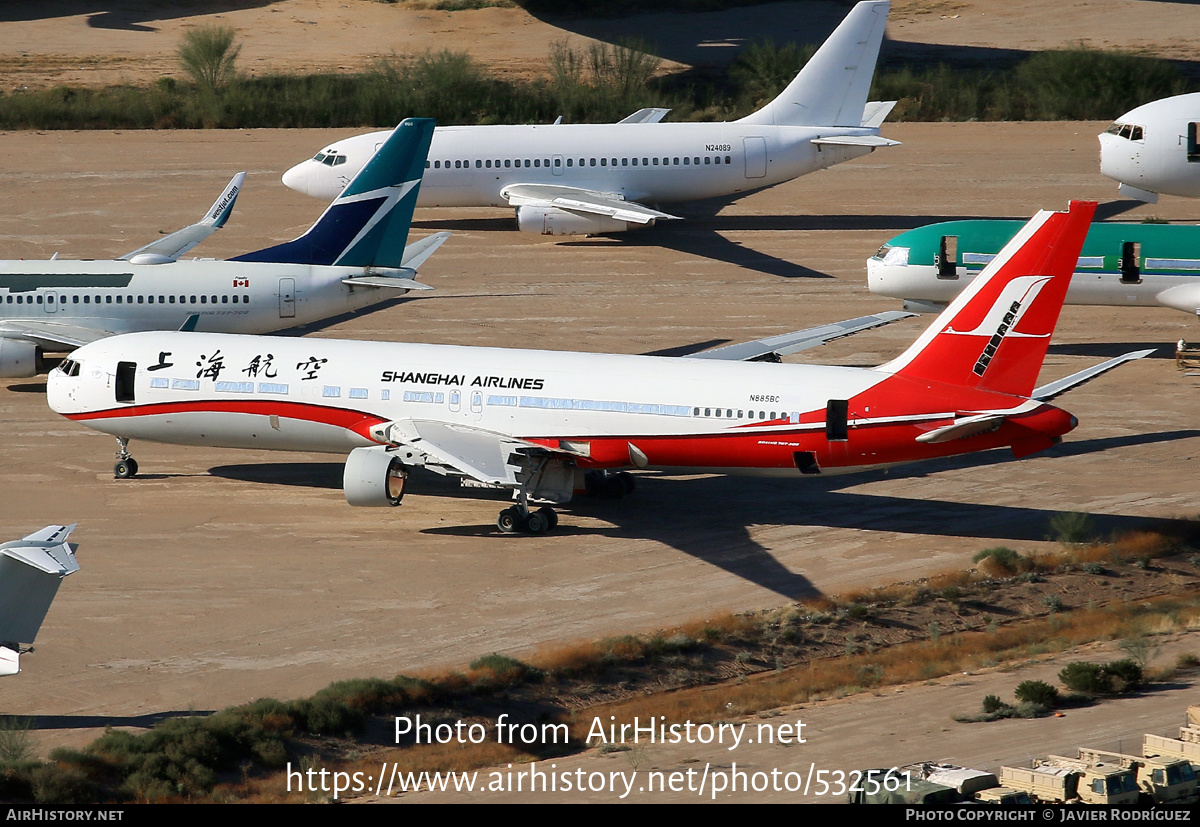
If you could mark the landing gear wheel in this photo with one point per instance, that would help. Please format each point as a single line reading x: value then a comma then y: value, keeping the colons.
x: 551, y: 516
x: 536, y: 523
x: 628, y: 483
x: 125, y: 469
x: 509, y: 520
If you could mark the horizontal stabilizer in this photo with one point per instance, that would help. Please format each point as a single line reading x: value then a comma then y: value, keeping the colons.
x: 1047, y: 392
x: 575, y: 199
x: 386, y: 281
x: 871, y: 141
x: 876, y: 112
x: 10, y: 661
x: 171, y: 247
x: 787, y: 343
x: 30, y: 573
x: 962, y: 428
x: 648, y: 115
x: 416, y: 253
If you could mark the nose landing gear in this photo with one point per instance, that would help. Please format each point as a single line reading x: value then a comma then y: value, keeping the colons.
x: 126, y: 466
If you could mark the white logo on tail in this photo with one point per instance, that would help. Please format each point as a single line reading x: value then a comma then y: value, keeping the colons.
x: 1016, y: 298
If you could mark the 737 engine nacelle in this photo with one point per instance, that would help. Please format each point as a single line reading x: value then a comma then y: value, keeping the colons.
x: 553, y: 221
x: 19, y: 359
x: 374, y: 477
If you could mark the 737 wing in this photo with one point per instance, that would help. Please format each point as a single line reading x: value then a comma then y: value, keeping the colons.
x: 772, y: 348
x: 574, y: 199
x: 170, y: 248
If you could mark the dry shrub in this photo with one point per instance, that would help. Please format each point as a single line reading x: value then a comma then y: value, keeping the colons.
x: 1139, y: 544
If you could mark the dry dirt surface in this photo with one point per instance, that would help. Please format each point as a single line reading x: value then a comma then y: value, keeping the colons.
x: 135, y: 41
x: 218, y: 576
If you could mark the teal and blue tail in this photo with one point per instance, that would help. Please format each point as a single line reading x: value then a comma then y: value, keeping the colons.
x: 367, y: 225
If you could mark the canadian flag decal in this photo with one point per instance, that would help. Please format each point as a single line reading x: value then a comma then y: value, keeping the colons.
x: 241, y: 282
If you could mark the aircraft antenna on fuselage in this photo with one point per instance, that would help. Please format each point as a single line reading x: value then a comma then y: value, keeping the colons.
x: 832, y: 88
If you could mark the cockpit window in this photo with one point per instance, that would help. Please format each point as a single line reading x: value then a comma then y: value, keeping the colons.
x: 70, y: 367
x: 319, y: 157
x: 341, y: 159
x: 1128, y: 131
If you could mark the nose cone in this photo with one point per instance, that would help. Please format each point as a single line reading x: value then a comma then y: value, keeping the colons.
x: 57, y: 393
x: 1116, y: 162
x: 297, y: 178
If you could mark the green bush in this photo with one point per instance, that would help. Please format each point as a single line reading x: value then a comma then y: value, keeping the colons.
x: 1085, y: 677
x: 1037, y: 692
x: 209, y: 56
x: 1002, y: 558
x: 1124, y: 674
x: 1072, y: 527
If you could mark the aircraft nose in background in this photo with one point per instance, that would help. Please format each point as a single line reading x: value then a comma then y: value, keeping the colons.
x: 296, y: 178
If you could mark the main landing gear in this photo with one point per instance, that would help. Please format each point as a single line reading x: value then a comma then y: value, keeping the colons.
x: 126, y: 466
x: 519, y: 518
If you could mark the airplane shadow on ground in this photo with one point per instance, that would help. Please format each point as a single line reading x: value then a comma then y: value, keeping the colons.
x: 709, y: 518
x: 42, y: 722
x: 1107, y: 350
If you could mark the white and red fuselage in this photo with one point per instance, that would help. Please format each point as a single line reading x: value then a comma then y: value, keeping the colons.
x: 681, y: 414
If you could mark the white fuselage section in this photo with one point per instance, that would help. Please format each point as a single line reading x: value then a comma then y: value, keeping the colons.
x: 326, y: 395
x: 1155, y: 149
x: 655, y: 163
x: 228, y: 296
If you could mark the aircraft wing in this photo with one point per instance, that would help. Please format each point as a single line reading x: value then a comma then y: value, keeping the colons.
x: 773, y: 347
x: 1048, y: 391
x: 474, y: 452
x: 574, y: 199
x: 51, y: 335
x: 648, y: 115
x: 170, y: 248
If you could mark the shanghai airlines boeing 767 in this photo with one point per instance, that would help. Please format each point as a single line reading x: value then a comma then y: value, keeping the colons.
x: 352, y: 258
x: 584, y: 179
x: 536, y: 421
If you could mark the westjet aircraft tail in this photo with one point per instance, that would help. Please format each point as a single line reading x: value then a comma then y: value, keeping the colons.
x: 832, y: 88
x: 367, y: 224
x: 994, y: 335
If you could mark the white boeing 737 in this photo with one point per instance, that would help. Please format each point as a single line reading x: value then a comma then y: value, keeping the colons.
x: 584, y: 179
x: 536, y: 422
x: 351, y: 258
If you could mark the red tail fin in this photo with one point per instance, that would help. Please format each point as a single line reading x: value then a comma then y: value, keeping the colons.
x: 995, y: 334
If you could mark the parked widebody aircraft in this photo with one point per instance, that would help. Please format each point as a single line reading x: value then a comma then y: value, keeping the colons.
x: 353, y: 257
x: 1135, y: 265
x: 536, y: 422
x: 31, y: 570
x: 1154, y: 149
x: 576, y: 179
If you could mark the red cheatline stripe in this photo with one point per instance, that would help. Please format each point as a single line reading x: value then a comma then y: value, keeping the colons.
x: 351, y: 420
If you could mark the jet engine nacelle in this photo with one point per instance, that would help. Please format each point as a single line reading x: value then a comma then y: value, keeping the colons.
x: 19, y: 359
x: 553, y: 221
x: 373, y: 477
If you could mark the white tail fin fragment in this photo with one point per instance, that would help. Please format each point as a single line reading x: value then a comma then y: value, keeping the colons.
x: 832, y: 88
